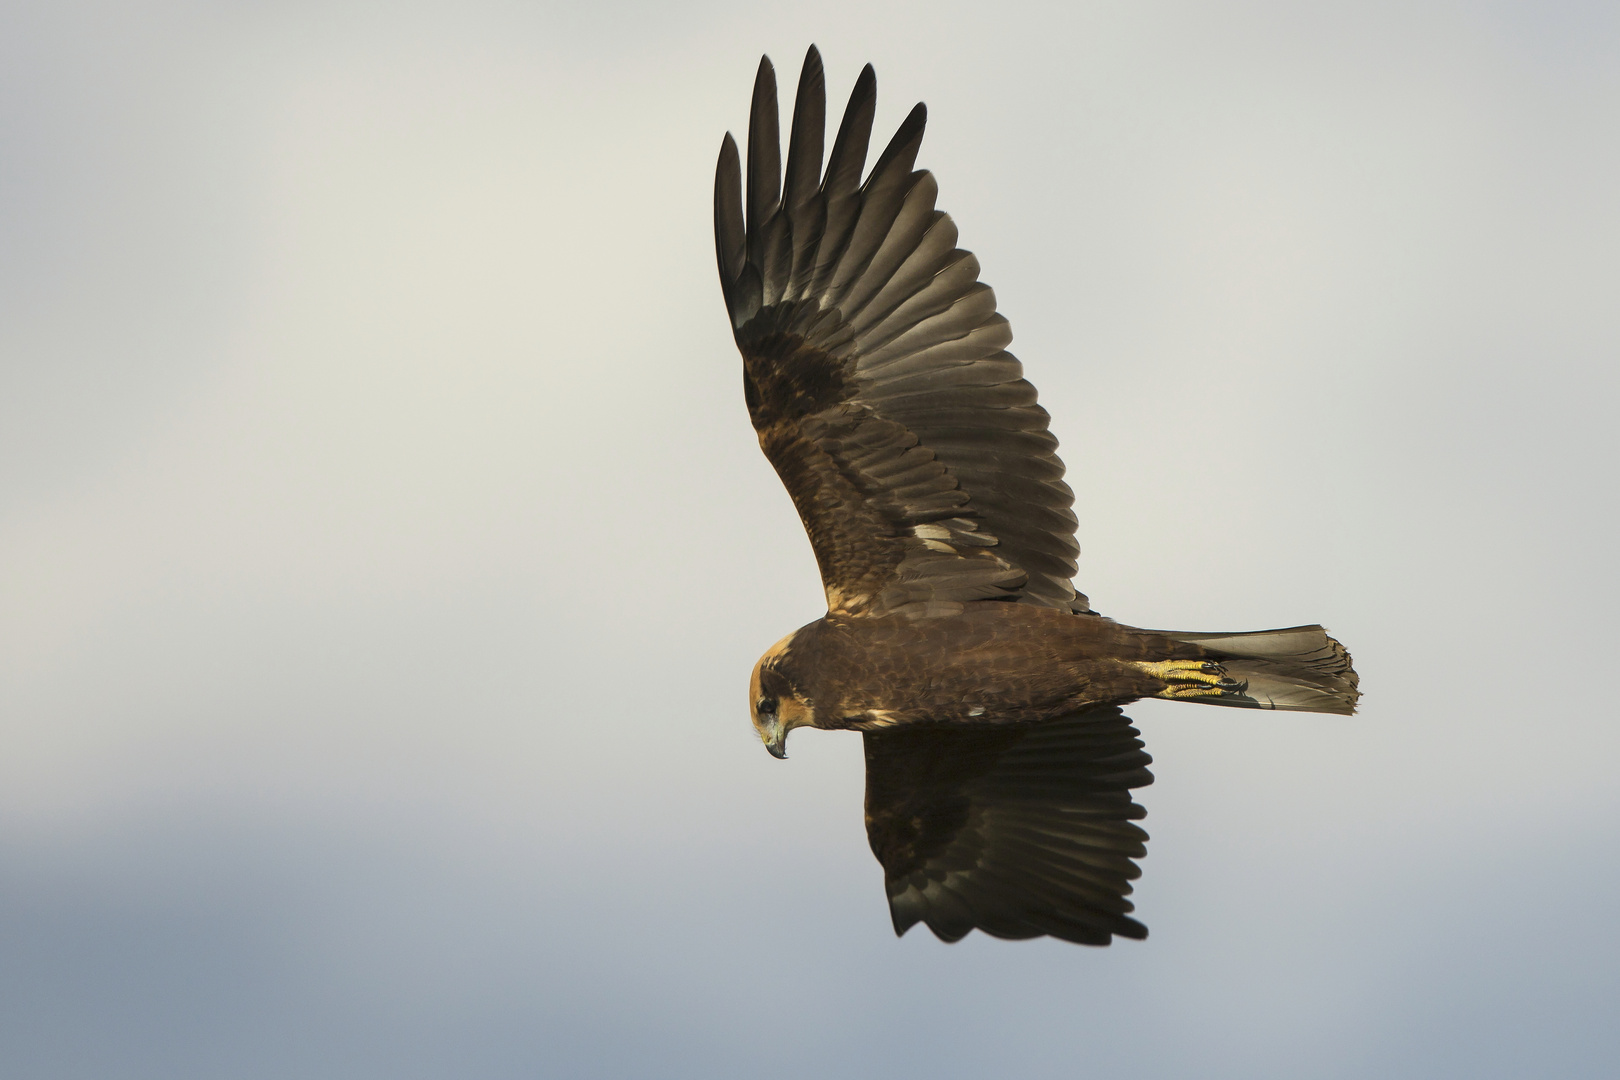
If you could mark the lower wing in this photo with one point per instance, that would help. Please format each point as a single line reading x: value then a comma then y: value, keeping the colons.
x: 1017, y: 831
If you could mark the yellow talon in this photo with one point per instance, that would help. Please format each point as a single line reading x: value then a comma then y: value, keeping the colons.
x: 1189, y: 678
x: 1188, y: 690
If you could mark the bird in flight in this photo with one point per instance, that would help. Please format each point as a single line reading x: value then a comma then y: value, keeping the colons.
x: 999, y: 766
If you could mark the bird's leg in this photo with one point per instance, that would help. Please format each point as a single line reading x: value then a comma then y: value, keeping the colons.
x: 1189, y: 678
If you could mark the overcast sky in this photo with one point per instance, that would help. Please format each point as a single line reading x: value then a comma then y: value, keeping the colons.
x: 384, y: 548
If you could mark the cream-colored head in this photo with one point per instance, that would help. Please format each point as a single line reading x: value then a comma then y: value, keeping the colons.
x: 776, y: 705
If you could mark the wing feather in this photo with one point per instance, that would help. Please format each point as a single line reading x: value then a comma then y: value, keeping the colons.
x: 841, y: 187
x: 801, y: 196
x: 881, y: 200
x: 730, y: 234
x: 764, y: 168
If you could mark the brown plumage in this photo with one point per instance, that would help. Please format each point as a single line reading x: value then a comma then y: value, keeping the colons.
x: 876, y: 375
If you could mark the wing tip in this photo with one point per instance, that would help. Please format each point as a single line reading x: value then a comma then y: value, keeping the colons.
x: 730, y: 234
x: 950, y: 932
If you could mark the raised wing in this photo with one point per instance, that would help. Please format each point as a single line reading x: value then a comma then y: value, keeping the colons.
x: 876, y: 371
x: 1018, y: 831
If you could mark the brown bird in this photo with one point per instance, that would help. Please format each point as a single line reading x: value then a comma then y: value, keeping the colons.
x: 875, y: 369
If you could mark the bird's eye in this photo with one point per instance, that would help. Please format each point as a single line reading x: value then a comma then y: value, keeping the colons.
x: 767, y: 706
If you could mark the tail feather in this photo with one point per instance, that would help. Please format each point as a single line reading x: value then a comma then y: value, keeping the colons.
x: 1298, y: 668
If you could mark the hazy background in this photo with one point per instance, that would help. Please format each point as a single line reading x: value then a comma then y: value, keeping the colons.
x: 384, y: 548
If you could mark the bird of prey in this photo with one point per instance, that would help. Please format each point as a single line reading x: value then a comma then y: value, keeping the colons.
x: 876, y: 373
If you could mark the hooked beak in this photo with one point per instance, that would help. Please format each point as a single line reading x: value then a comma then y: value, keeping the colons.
x: 775, y: 738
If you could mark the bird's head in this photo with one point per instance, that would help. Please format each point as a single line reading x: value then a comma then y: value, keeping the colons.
x: 776, y: 704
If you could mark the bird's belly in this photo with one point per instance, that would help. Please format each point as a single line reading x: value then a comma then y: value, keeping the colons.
x: 969, y: 689
x: 999, y: 664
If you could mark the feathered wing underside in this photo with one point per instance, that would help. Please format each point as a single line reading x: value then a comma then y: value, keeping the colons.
x: 876, y: 370
x: 1018, y: 832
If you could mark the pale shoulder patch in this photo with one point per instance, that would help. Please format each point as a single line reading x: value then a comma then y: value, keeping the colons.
x: 840, y: 602
x: 780, y: 650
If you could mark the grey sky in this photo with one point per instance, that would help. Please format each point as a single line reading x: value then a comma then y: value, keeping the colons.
x: 384, y: 548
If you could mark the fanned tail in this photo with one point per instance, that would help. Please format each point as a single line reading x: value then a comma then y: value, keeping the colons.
x: 1299, y: 668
